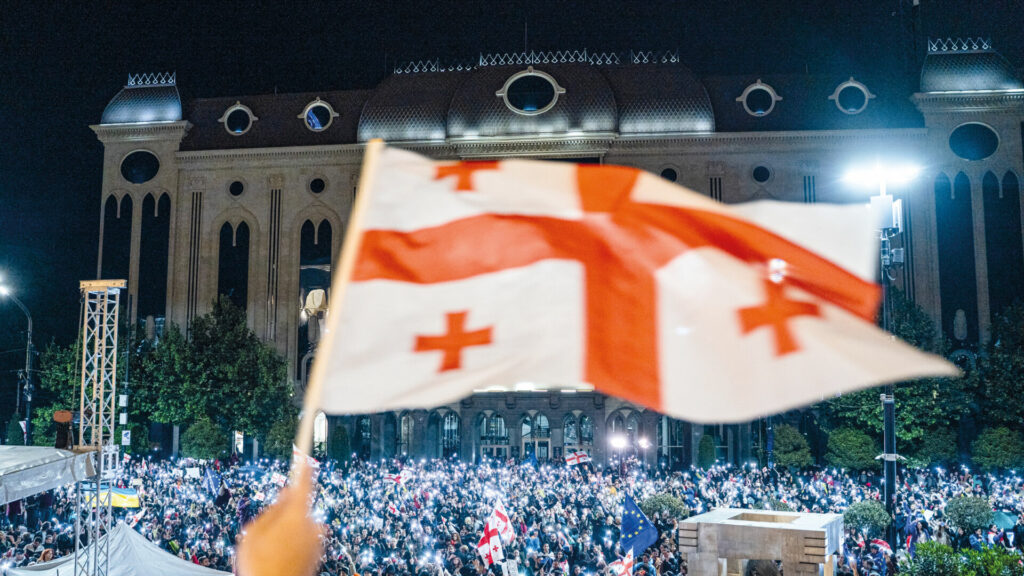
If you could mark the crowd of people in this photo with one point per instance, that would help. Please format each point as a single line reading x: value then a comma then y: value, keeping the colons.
x: 424, y: 518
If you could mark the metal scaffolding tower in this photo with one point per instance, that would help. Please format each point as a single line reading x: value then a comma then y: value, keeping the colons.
x: 93, y: 517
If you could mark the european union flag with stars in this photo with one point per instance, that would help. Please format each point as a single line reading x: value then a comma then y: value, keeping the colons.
x: 638, y: 532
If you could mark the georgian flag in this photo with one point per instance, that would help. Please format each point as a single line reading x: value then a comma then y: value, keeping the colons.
x: 524, y: 275
x: 500, y: 520
x: 489, y: 546
x: 577, y: 457
x: 395, y: 478
x: 623, y: 566
x: 299, y: 455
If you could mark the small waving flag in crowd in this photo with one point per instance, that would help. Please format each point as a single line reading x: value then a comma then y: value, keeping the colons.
x: 489, y: 547
x: 299, y: 455
x: 638, y: 532
x: 396, y: 479
x: 466, y: 276
x: 501, y: 522
x: 577, y: 457
x: 211, y: 482
x: 623, y: 566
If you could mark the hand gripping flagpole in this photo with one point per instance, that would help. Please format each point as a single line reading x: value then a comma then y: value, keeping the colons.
x: 339, y: 284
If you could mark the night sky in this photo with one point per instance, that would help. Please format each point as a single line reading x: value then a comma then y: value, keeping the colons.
x: 61, y: 62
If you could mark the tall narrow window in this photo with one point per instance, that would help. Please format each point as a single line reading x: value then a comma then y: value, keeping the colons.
x: 156, y: 228
x: 364, y: 436
x: 450, y: 435
x: 958, y: 287
x: 405, y: 435
x: 233, y: 264
x: 1003, y: 247
x: 314, y: 275
x: 117, y: 237
x: 570, y: 433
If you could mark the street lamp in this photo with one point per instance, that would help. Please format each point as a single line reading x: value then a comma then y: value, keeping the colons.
x: 27, y: 374
x: 887, y: 214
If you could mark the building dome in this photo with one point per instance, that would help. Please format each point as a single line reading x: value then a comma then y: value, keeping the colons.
x: 409, y: 107
x: 146, y: 98
x: 578, y: 100
x: 966, y: 65
x: 660, y: 99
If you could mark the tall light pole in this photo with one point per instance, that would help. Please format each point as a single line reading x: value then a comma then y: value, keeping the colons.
x: 27, y: 374
x: 888, y: 217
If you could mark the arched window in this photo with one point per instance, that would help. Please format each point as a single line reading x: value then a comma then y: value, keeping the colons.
x: 632, y: 428
x: 233, y: 264
x: 364, y: 436
x: 314, y: 275
x: 156, y: 220
x: 492, y: 430
x: 320, y: 431
x: 570, y: 433
x: 117, y: 236
x: 586, y: 430
x: 542, y: 429
x: 450, y: 435
x: 1003, y: 247
x: 617, y: 425
x: 958, y: 288
x: 526, y: 427
x: 405, y: 435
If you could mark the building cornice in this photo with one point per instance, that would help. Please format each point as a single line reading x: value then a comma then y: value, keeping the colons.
x: 726, y: 141
x: 995, y: 101
x: 268, y: 157
x: 172, y: 131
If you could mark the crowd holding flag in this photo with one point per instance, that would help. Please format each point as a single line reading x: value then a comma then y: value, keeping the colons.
x: 212, y: 482
x: 489, y: 547
x: 576, y: 457
x: 638, y: 532
x: 300, y: 456
x: 622, y: 566
x: 500, y: 520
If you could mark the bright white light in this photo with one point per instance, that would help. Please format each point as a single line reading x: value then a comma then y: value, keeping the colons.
x: 644, y: 443
x: 4, y: 290
x: 877, y: 174
x: 617, y: 442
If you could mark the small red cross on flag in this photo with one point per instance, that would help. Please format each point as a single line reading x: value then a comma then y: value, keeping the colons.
x: 561, y: 275
x: 622, y: 566
x: 576, y: 457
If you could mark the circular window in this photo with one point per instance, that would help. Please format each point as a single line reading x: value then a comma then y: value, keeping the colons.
x: 318, y: 115
x: 759, y: 99
x: 140, y: 166
x: 530, y: 92
x: 237, y: 119
x: 236, y: 188
x: 761, y: 174
x: 851, y: 97
x: 317, y: 185
x: 973, y: 141
x: 669, y: 174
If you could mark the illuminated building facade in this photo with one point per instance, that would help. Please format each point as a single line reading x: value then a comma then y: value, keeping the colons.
x: 248, y: 196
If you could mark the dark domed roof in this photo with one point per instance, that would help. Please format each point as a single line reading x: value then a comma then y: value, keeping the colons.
x: 966, y: 65
x: 409, y: 107
x: 146, y: 98
x: 587, y: 105
x: 655, y: 99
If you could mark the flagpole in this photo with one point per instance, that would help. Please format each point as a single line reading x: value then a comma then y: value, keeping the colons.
x: 339, y: 283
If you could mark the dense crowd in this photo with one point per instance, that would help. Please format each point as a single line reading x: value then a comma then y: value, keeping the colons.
x: 424, y: 518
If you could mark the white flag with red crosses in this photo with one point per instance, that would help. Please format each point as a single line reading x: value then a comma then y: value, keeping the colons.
x: 498, y: 275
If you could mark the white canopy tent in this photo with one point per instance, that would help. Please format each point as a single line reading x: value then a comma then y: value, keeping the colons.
x: 130, y: 555
x: 28, y: 470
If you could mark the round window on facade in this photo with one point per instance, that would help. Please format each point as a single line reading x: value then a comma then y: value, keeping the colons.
x: 530, y: 92
x: 237, y: 119
x: 851, y: 97
x: 973, y: 141
x: 317, y: 185
x: 236, y: 188
x: 318, y: 115
x: 759, y: 99
x: 669, y: 174
x: 761, y: 174
x: 140, y: 166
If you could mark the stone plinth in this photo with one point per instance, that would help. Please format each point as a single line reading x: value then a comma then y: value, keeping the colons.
x: 718, y: 543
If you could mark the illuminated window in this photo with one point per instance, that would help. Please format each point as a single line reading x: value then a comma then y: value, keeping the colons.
x: 530, y: 92
x: 759, y: 99
x: 237, y: 119
x: 140, y: 167
x: 851, y: 97
x: 318, y: 115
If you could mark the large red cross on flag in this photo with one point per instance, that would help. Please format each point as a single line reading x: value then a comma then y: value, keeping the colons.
x: 489, y: 546
x: 476, y: 276
x: 501, y: 522
x: 576, y: 457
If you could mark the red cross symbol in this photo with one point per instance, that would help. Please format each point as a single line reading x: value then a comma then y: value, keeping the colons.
x: 775, y: 313
x: 463, y: 171
x: 453, y: 341
x: 621, y: 244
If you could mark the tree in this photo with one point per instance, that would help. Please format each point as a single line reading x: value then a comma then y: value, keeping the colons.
x: 791, y: 448
x: 969, y: 513
x: 168, y: 384
x: 998, y: 449
x: 937, y: 447
x: 1001, y: 369
x: 706, y: 451
x: 868, y: 516
x: 922, y: 406
x: 59, y: 384
x: 666, y: 505
x: 281, y: 436
x: 852, y: 449
x: 933, y: 559
x: 205, y: 440
x: 338, y: 447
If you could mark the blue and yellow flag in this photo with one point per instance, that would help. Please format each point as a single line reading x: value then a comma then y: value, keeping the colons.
x: 638, y: 532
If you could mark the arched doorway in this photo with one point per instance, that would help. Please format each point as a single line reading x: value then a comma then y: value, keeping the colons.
x: 536, y: 437
x: 450, y: 435
x: 493, y: 437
